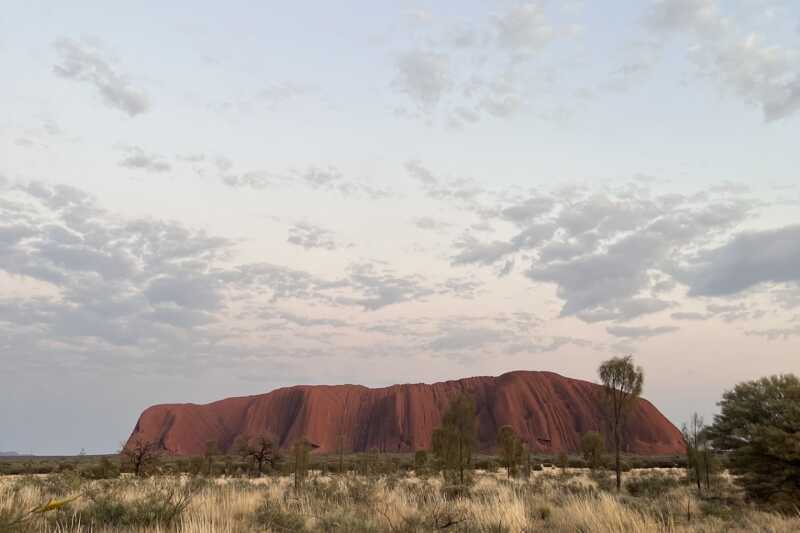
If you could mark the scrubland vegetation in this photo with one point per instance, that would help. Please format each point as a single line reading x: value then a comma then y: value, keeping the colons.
x: 549, y: 499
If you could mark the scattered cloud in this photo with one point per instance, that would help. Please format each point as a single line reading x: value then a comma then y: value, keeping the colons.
x: 280, y: 93
x: 640, y: 332
x: 746, y: 260
x: 310, y: 236
x: 687, y: 316
x: 523, y: 27
x: 430, y: 223
x: 84, y: 62
x: 423, y: 76
x: 764, y: 74
x: 774, y: 334
x: 464, y: 73
x: 472, y: 251
x: 136, y: 158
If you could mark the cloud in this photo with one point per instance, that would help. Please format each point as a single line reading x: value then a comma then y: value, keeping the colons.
x: 687, y: 316
x: 116, y: 294
x: 640, y: 332
x: 84, y: 63
x: 767, y: 75
x: 463, y: 192
x: 301, y: 320
x: 430, y: 223
x: 423, y: 76
x: 114, y: 286
x: 254, y: 179
x: 611, y: 277
x: 624, y: 309
x: 465, y: 73
x: 473, y: 251
x: 281, y: 92
x: 611, y: 255
x: 381, y: 287
x: 473, y: 338
x: 528, y: 210
x: 310, y: 236
x: 319, y: 178
x: 523, y: 27
x: 748, y: 259
x: 774, y: 334
x: 136, y: 158
x: 683, y: 15
x: 419, y: 172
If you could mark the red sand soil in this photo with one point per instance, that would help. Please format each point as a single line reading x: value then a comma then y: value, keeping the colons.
x: 549, y: 411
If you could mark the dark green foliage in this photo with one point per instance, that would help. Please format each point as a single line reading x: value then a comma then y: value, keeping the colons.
x: 300, y: 462
x: 271, y: 516
x: 622, y: 385
x: 562, y: 461
x: 105, y: 468
x: 651, y: 485
x: 420, y: 459
x: 512, y: 450
x: 603, y: 479
x: 161, y: 506
x: 759, y: 427
x: 701, y: 465
x: 455, y: 439
x: 593, y: 447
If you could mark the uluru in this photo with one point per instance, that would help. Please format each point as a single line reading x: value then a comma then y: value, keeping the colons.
x: 549, y: 411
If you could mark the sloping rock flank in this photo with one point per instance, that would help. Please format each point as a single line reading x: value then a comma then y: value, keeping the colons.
x: 549, y: 411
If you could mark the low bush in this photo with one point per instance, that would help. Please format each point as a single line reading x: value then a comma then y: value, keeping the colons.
x: 161, y: 505
x: 103, y: 469
x: 272, y: 516
x: 651, y: 485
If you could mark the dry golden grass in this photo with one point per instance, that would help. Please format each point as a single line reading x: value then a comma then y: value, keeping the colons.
x: 550, y: 501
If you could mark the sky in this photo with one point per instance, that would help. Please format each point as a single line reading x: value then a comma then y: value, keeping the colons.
x: 201, y: 200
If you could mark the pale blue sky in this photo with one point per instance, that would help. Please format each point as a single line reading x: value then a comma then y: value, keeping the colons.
x: 265, y: 194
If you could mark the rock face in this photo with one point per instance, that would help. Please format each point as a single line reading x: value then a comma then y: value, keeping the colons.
x: 549, y: 411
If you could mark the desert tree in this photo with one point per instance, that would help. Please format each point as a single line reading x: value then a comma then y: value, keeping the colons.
x: 340, y: 449
x: 511, y: 449
x: 260, y: 449
x: 455, y: 439
x: 694, y: 439
x: 140, y: 455
x: 526, y: 459
x: 758, y: 427
x: 420, y: 460
x: 622, y: 385
x: 212, y: 450
x: 593, y: 446
x: 301, y: 450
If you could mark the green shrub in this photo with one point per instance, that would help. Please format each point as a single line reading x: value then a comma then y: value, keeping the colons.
x: 162, y: 505
x: 347, y: 521
x: 651, y: 486
x: 273, y: 517
x: 603, y: 479
x: 103, y: 469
